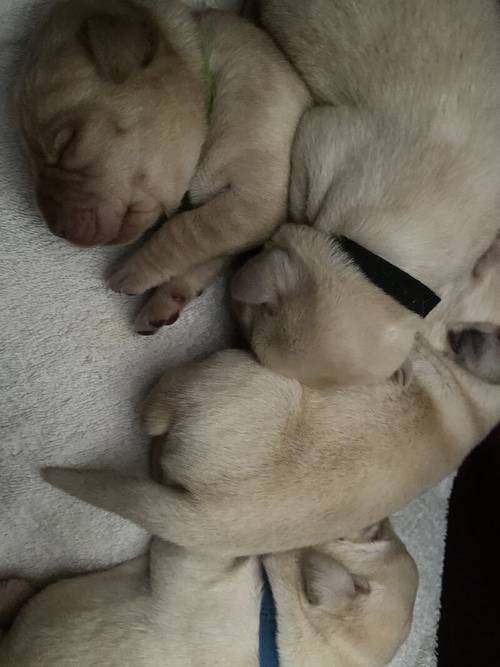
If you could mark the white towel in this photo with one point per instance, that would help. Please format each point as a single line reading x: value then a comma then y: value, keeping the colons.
x: 72, y: 370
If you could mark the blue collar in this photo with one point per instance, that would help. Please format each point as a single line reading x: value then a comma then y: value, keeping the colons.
x: 268, y: 647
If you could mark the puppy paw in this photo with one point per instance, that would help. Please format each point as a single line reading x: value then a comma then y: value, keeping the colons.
x: 163, y: 308
x: 137, y: 275
x: 13, y: 594
x: 128, y: 279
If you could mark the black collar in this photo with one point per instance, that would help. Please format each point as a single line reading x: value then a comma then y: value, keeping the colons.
x: 402, y: 287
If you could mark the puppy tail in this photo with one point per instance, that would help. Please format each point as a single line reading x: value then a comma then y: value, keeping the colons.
x: 170, y: 514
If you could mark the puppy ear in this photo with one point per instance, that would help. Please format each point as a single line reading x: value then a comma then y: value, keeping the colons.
x: 487, y: 259
x: 364, y: 549
x: 267, y: 277
x: 119, y: 46
x: 328, y: 584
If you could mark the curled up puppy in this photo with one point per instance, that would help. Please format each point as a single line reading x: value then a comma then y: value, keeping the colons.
x: 170, y: 608
x: 395, y: 170
x: 129, y: 111
x: 255, y: 462
x: 348, y: 603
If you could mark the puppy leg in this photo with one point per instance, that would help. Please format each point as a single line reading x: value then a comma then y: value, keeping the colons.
x: 164, y: 307
x: 241, y: 216
x: 13, y: 594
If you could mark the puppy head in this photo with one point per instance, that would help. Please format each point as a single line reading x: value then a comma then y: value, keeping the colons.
x: 361, y: 594
x: 472, y: 314
x: 310, y: 314
x: 111, y: 106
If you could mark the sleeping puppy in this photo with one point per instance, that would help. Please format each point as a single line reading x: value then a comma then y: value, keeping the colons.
x: 128, y: 112
x: 347, y: 603
x: 168, y: 608
x: 401, y: 156
x: 254, y: 462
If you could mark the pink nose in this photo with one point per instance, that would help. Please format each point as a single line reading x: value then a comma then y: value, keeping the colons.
x: 75, y: 223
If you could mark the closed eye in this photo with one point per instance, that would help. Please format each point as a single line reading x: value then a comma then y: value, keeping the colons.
x: 61, y: 142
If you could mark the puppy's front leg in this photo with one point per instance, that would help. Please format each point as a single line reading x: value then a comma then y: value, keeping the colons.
x: 164, y: 307
x: 239, y: 217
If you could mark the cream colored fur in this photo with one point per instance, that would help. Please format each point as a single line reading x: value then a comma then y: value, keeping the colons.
x: 170, y: 608
x: 347, y: 603
x: 255, y: 462
x: 401, y: 154
x: 114, y: 109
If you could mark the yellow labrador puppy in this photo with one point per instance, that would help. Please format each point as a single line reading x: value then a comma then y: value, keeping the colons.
x: 400, y: 156
x: 348, y: 604
x: 170, y: 608
x: 128, y: 112
x: 255, y: 462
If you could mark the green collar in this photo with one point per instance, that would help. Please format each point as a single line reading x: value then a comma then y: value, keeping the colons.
x: 209, y: 78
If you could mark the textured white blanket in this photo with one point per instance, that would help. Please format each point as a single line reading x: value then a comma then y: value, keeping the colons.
x: 72, y: 370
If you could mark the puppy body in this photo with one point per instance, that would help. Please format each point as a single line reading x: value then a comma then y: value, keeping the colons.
x: 255, y: 462
x: 117, y: 135
x: 177, y: 608
x: 348, y: 603
x: 401, y: 154
x: 171, y: 608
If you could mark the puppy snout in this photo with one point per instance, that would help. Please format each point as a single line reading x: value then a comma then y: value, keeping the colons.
x: 471, y: 340
x: 76, y: 224
x: 79, y: 225
x: 75, y: 221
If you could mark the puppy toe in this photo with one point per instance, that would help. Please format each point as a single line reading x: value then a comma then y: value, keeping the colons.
x: 162, y: 310
x: 129, y: 280
x: 121, y: 283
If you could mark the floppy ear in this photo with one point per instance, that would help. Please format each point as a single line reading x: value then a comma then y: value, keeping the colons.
x: 118, y: 45
x: 328, y: 584
x: 267, y: 277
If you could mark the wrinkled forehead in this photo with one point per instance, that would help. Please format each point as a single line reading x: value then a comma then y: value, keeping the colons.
x: 55, y: 79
